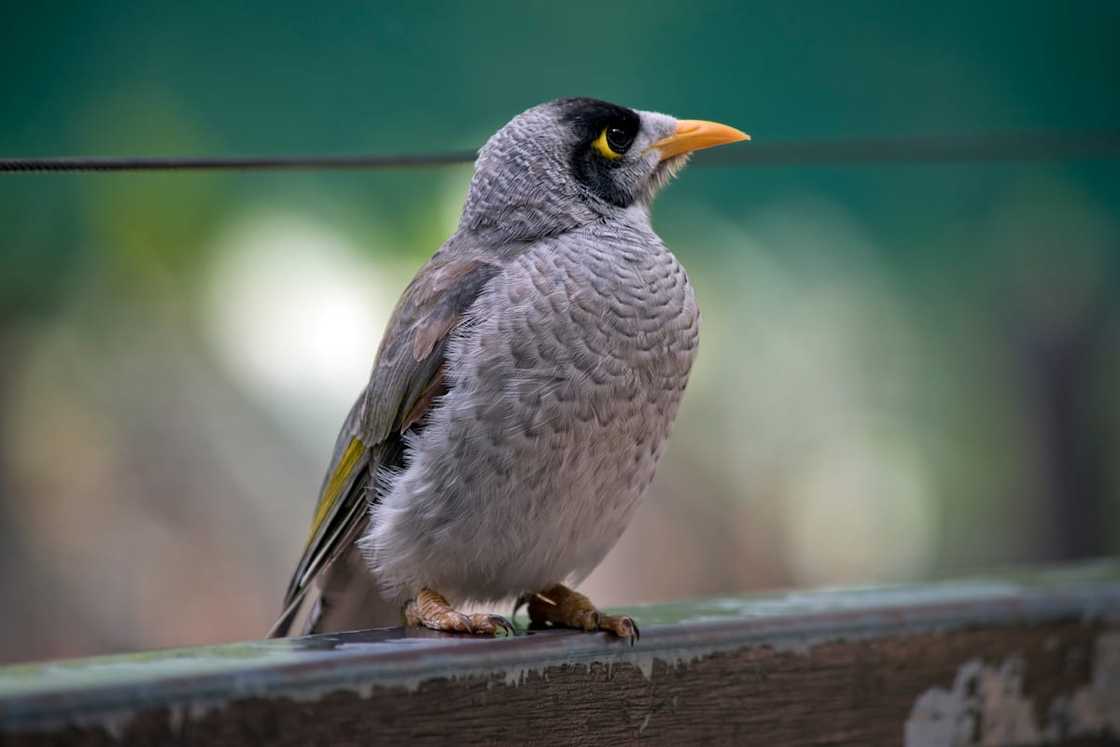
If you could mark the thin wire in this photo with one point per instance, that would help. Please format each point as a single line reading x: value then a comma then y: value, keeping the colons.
x: 237, y: 163
x: 1006, y: 146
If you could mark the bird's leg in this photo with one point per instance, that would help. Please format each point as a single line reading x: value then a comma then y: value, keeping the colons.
x: 563, y: 607
x: 431, y: 610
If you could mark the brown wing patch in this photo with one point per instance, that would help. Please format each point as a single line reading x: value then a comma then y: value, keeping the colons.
x: 413, y: 347
x: 439, y: 291
x: 429, y: 332
x: 435, y: 388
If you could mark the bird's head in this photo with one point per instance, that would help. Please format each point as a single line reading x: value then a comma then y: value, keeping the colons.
x: 572, y: 161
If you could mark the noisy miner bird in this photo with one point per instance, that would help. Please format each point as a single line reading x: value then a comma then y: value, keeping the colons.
x: 523, y: 391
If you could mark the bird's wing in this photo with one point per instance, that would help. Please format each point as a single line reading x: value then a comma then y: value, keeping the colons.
x: 407, y: 376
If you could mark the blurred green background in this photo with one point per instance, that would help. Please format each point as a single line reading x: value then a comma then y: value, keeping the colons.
x: 906, y: 370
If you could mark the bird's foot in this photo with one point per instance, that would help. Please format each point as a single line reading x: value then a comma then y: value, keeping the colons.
x: 563, y: 607
x: 431, y: 610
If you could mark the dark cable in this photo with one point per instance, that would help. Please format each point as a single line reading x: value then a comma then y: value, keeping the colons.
x: 251, y: 163
x: 1010, y: 146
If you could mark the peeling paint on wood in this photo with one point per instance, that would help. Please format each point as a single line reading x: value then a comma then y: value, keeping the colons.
x: 987, y: 705
x: 1029, y: 660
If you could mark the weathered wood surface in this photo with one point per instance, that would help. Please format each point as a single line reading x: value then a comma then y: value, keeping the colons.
x: 1033, y: 659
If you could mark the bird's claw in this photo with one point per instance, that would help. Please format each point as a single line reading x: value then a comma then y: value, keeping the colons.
x: 622, y: 626
x: 560, y: 606
x: 431, y: 610
x: 493, y: 625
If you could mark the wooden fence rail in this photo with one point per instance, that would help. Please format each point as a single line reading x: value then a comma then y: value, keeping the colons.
x: 1021, y: 659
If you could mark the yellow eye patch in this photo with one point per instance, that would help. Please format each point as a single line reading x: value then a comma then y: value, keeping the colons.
x: 603, y: 147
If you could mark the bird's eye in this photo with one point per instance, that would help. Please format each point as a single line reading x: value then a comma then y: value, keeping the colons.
x: 612, y: 142
x: 618, y: 139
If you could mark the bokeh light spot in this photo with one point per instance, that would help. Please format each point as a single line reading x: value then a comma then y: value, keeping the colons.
x: 860, y: 510
x: 295, y: 314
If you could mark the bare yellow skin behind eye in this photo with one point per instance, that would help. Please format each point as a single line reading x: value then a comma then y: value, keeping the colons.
x: 603, y: 148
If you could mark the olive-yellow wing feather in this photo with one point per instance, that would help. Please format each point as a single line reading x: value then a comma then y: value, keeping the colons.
x: 407, y: 377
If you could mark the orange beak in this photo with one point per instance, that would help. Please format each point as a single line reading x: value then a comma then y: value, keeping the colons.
x: 696, y: 134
